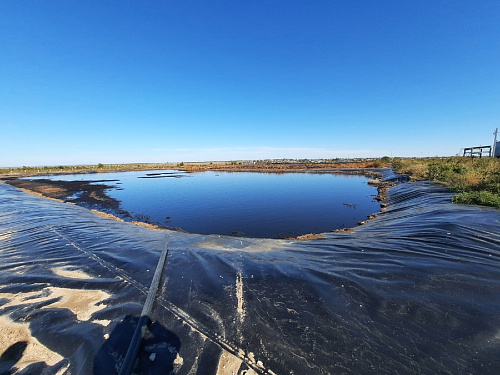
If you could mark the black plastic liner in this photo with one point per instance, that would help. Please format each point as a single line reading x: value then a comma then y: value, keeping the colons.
x: 414, y: 291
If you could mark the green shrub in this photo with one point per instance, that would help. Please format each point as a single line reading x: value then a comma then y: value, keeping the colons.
x: 483, y: 198
x: 385, y: 159
x: 397, y: 163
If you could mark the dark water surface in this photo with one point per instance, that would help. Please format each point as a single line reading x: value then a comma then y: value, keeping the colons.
x: 264, y: 205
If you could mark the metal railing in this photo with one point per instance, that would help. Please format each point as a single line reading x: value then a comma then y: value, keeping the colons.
x: 478, y: 151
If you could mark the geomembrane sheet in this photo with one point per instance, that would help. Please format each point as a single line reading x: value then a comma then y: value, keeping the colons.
x: 414, y: 291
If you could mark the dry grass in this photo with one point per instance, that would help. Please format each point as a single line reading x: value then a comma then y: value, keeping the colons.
x: 202, y: 166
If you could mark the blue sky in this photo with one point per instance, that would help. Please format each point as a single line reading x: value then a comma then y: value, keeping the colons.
x: 167, y: 81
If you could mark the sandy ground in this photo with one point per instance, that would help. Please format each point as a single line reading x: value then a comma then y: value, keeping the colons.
x: 83, y: 303
x: 16, y: 337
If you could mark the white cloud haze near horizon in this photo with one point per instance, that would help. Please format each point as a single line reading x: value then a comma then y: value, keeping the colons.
x: 209, y: 154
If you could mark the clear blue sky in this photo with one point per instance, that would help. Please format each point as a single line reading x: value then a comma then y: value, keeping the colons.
x: 158, y: 81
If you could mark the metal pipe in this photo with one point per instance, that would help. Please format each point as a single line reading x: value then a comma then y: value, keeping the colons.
x: 135, y: 343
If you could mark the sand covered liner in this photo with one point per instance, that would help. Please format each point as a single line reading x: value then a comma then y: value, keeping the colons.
x: 17, y: 333
x: 83, y: 303
x: 71, y: 273
x: 230, y: 365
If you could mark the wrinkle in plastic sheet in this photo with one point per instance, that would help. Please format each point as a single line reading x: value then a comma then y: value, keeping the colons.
x: 416, y: 290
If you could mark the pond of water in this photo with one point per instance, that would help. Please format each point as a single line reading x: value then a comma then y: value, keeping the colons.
x: 265, y: 205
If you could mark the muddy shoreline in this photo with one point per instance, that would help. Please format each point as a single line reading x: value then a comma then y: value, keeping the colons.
x: 92, y: 194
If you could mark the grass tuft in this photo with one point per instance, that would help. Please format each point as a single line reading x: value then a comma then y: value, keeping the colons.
x: 483, y: 198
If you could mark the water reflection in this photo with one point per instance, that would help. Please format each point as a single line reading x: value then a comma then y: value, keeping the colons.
x: 245, y: 204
